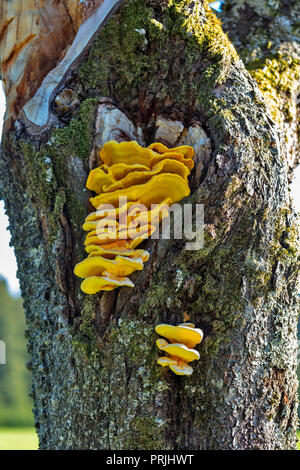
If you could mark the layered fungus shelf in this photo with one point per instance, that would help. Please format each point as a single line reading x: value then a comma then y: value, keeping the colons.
x: 134, y: 189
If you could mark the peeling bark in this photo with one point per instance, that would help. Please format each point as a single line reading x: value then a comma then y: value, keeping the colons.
x: 96, y: 384
x: 35, y: 37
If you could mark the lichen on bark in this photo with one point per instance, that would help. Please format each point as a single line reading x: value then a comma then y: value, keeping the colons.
x: 270, y: 49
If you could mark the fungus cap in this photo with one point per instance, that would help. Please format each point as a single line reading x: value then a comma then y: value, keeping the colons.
x: 92, y: 243
x: 94, y: 284
x: 154, y: 215
x: 178, y: 350
x: 158, y: 188
x: 140, y: 177
x: 167, y: 361
x: 120, y: 170
x: 121, y: 266
x: 131, y: 153
x: 97, y: 179
x: 104, y: 236
x: 111, y: 253
x: 186, y: 151
x: 91, y: 225
x: 180, y: 334
x: 115, y: 245
x: 95, y: 240
x: 109, y: 211
x: 181, y: 369
x: 178, y: 366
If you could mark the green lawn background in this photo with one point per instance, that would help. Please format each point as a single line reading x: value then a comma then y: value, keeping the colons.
x: 18, y: 439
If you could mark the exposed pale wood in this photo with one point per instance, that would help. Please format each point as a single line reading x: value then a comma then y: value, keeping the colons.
x: 34, y: 37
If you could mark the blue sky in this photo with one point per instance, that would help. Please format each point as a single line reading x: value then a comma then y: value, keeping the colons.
x: 8, y: 265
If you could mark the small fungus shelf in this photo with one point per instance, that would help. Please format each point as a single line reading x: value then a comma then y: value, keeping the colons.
x: 179, y: 350
x: 134, y: 188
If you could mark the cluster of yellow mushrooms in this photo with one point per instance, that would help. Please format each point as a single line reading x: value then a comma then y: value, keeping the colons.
x: 179, y: 350
x: 134, y: 188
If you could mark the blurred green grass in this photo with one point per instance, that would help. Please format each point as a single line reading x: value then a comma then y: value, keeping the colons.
x: 18, y: 439
x: 15, y: 379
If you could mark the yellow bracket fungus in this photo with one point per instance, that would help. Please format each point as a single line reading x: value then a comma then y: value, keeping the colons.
x: 158, y: 188
x: 134, y: 188
x: 120, y: 266
x: 179, y: 350
x: 94, y: 284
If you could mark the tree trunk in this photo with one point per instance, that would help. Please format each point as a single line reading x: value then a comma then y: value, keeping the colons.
x: 96, y: 384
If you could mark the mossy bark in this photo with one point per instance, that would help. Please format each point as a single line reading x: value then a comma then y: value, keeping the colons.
x: 270, y: 48
x: 96, y: 384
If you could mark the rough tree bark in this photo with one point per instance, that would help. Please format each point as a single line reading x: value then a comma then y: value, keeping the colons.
x: 96, y: 384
